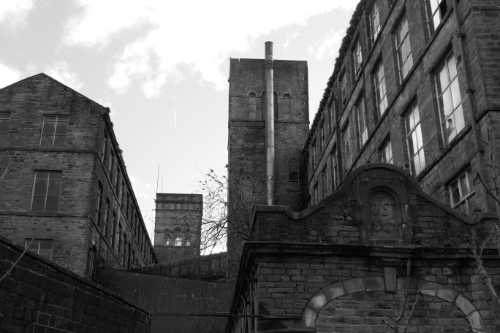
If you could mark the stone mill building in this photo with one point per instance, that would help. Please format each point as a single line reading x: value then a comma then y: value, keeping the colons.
x: 380, y: 216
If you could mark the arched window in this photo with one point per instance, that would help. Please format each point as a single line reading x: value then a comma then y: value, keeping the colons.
x: 178, y: 241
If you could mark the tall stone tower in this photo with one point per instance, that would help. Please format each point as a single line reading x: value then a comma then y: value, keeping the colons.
x: 252, y: 152
x: 177, y: 226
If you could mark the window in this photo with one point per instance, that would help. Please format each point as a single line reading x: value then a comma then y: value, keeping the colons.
x: 362, y: 124
x: 113, y: 224
x: 357, y: 54
x: 42, y: 247
x: 374, y: 22
x: 403, y: 49
x: 332, y: 116
x: 414, y: 140
x: 437, y: 10
x: 98, y: 204
x: 323, y: 181
x: 104, y: 147
x: 105, y: 217
x: 346, y: 145
x: 385, y: 152
x: 4, y: 115
x: 53, y: 130
x: 449, y: 99
x: 46, y: 191
x: 323, y: 133
x: 315, y: 193
x: 178, y: 241
x: 343, y: 87
x: 333, y: 159
x: 460, y: 192
x: 379, y: 87
x: 313, y: 153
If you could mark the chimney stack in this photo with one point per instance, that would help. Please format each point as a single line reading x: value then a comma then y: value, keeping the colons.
x: 269, y: 76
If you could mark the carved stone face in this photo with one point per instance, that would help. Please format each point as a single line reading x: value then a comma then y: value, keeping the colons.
x: 385, y: 217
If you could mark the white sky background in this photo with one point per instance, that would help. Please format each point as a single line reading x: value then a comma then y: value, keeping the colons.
x: 162, y: 68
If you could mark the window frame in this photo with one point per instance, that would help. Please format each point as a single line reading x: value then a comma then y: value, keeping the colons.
x: 457, y: 110
x: 464, y: 197
x: 361, y: 127
x: 49, y: 173
x: 431, y: 12
x: 377, y: 84
x: 374, y: 32
x: 55, y: 137
x: 357, y: 57
x: 383, y: 151
x: 398, y: 46
x: 409, y: 140
x: 46, y: 253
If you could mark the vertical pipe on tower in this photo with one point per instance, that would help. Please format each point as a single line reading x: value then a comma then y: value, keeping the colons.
x: 269, y: 76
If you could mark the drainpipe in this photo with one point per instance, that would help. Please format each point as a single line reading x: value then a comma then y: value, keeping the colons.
x: 269, y: 77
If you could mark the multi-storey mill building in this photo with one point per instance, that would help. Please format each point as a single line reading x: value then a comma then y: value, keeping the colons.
x: 64, y: 189
x: 415, y: 85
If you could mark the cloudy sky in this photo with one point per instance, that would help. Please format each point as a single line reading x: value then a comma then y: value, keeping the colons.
x: 162, y: 68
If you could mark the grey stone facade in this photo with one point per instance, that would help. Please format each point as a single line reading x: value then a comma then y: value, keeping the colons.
x: 86, y: 214
x: 177, y: 226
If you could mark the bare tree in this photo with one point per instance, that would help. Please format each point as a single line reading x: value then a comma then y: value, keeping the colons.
x: 245, y: 193
x: 214, y: 220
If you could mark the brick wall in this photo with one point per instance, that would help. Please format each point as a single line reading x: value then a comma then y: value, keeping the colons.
x: 41, y: 297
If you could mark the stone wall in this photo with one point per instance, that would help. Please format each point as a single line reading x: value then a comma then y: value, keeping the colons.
x: 211, y: 267
x: 176, y: 305
x: 38, y: 296
x: 377, y: 255
x: 475, y: 50
x: 246, y: 146
x: 177, y: 226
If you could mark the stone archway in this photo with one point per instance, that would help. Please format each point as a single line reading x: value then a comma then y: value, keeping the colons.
x: 377, y: 286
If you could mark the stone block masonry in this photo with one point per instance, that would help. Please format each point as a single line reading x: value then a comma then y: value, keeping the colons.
x: 37, y: 296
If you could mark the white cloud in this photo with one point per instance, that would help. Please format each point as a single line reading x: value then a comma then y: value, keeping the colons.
x: 61, y: 72
x: 8, y: 75
x: 200, y: 33
x: 330, y: 45
x: 14, y: 11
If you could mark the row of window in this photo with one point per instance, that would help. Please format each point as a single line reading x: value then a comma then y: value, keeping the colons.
x: 107, y: 219
x: 52, y: 131
x: 45, y: 198
x: 111, y: 162
x: 436, y: 10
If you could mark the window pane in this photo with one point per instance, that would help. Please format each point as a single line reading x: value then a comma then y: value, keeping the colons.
x: 452, y: 66
x: 48, y: 131
x: 455, y: 93
x: 53, y: 191
x: 444, y: 78
x: 447, y: 103
x: 60, y: 131
x: 40, y: 190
